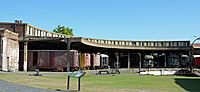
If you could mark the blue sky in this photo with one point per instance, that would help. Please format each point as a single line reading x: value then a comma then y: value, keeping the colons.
x: 110, y: 19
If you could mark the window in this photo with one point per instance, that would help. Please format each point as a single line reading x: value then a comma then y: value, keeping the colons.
x: 179, y: 43
x: 116, y: 42
x: 41, y: 33
x: 152, y: 44
x: 155, y: 44
x: 166, y: 43
x: 108, y: 42
x: 159, y: 44
x: 148, y: 44
x: 105, y: 42
x: 123, y: 43
x: 29, y: 31
x: 174, y: 43
x: 144, y: 44
x: 102, y: 41
x: 130, y: 43
x: 137, y: 44
x: 46, y: 34
x: 112, y: 42
x: 120, y: 43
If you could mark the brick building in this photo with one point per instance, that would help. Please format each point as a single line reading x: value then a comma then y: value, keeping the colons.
x: 9, y: 49
x: 127, y: 53
x: 16, y: 38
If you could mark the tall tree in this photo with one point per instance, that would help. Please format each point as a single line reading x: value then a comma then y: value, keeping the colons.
x: 64, y: 30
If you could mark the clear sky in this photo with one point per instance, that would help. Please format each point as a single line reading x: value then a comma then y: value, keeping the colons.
x: 110, y: 19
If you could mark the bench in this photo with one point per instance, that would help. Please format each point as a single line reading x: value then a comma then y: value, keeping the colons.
x: 101, y: 71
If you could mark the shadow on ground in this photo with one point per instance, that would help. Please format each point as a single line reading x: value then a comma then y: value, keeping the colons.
x: 190, y: 85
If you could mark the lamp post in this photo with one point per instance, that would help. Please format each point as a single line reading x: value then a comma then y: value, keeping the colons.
x: 191, y: 53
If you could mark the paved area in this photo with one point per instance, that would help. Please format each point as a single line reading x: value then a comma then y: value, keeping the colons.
x: 11, y: 87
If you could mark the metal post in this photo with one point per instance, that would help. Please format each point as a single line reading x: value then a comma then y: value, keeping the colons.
x: 79, y: 61
x: 129, y: 62
x: 140, y: 63
x: 68, y: 81
x: 79, y: 84
x: 25, y: 55
x: 1, y: 51
x: 190, y: 58
x: 165, y: 62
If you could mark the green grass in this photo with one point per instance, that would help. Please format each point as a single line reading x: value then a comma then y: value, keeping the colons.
x: 122, y: 83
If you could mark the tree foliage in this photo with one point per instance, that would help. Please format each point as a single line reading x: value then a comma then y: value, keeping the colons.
x: 64, y: 30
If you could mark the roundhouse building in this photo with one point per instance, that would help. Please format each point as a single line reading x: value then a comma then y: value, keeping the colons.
x: 121, y: 53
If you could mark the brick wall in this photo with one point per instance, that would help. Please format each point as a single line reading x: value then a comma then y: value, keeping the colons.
x: 10, y: 53
x: 17, y: 28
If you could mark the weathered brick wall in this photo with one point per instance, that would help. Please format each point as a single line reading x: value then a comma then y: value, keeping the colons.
x: 17, y: 28
x: 10, y: 55
x: 9, y: 34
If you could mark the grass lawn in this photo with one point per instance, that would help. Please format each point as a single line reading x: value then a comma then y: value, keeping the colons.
x: 108, y: 83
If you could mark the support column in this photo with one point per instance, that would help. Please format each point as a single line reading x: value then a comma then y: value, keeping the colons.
x: 68, y: 82
x: 25, y: 55
x: 128, y: 62
x: 190, y: 59
x: 165, y: 61
x: 140, y: 62
x: 79, y: 84
x: 117, y: 63
x: 68, y: 51
x: 1, y: 52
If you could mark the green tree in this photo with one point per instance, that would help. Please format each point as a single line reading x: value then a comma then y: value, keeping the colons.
x: 64, y: 30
